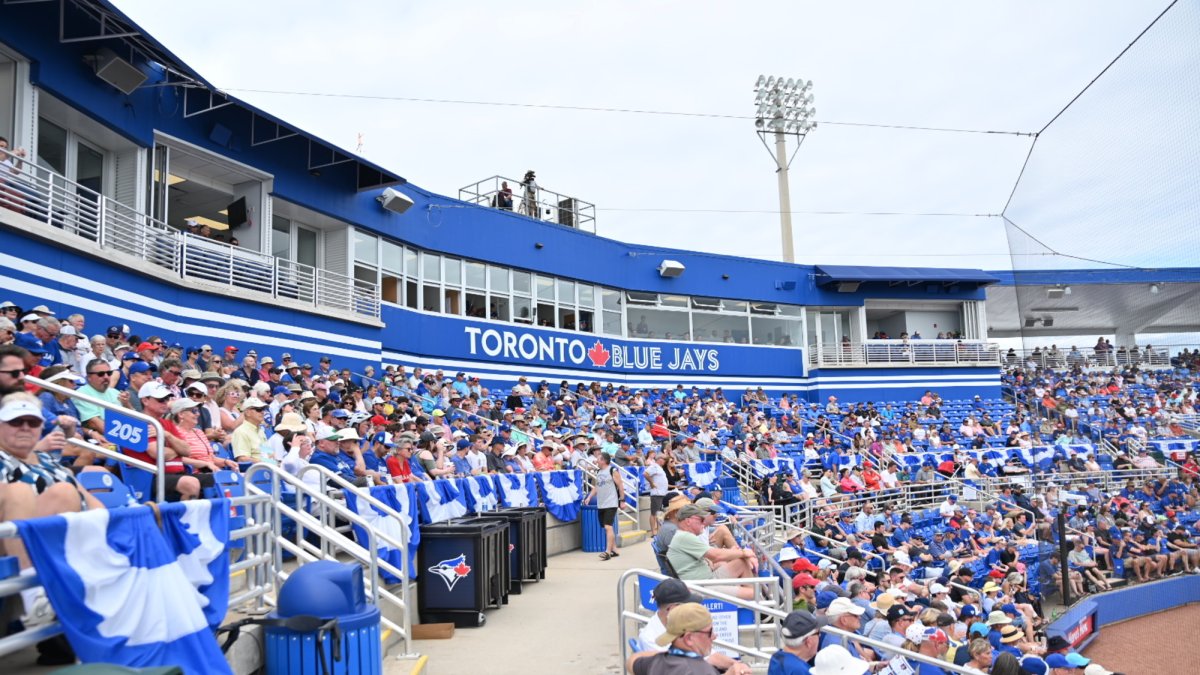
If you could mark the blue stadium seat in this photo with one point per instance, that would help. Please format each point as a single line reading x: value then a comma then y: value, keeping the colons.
x: 105, y: 487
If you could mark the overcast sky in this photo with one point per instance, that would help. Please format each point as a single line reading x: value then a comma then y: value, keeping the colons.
x: 984, y: 65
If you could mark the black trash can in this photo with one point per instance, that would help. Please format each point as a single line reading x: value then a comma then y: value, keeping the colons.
x: 537, y: 532
x: 526, y: 544
x: 463, y: 571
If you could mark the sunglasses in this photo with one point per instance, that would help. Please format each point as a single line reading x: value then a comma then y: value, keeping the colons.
x: 100, y: 373
x: 15, y: 373
x: 196, y: 395
x: 27, y: 422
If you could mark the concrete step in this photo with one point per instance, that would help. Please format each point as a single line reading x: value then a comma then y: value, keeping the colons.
x: 630, y: 537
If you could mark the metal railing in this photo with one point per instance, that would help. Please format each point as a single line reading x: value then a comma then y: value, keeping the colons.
x: 333, y: 544
x: 1147, y: 355
x: 540, y: 203
x: 65, y: 205
x: 905, y: 353
x: 158, y: 469
x: 253, y: 564
x: 764, y: 630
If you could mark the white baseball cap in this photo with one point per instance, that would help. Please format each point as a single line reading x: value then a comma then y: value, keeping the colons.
x: 153, y: 389
x: 842, y: 606
x: 18, y: 409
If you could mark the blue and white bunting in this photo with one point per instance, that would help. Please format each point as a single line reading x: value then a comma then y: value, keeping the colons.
x: 631, y: 478
x: 441, y: 500
x: 517, y: 490
x: 403, y: 529
x: 480, y: 492
x: 770, y: 467
x: 564, y: 493
x: 197, y: 532
x: 701, y: 473
x: 119, y: 590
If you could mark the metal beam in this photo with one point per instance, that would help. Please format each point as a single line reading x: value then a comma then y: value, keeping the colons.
x: 102, y: 19
x: 255, y: 141
x: 207, y: 107
x: 333, y: 156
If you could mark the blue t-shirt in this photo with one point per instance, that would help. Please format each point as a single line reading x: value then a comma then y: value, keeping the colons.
x: 786, y: 663
x: 928, y: 669
x: 335, y: 463
x: 374, y: 463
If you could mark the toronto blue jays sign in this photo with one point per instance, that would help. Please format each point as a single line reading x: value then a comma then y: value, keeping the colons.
x: 459, y: 338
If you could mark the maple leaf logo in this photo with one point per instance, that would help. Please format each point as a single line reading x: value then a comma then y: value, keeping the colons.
x: 462, y: 569
x: 598, y: 354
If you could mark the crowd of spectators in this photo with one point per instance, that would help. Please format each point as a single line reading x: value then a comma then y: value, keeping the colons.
x: 222, y: 409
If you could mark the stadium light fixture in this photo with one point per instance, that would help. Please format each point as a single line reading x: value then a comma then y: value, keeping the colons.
x: 784, y: 108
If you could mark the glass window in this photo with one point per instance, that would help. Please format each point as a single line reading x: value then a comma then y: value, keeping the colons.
x: 89, y: 169
x: 656, y: 324
x: 723, y: 328
x: 365, y: 248
x: 366, y: 274
x: 453, y: 303
x: 500, y: 307
x: 545, y: 288
x: 566, y: 292
x: 566, y: 318
x: 587, y: 296
x: 499, y: 278
x: 612, y: 323
x: 587, y: 322
x: 431, y: 267
x: 738, y: 306
x: 281, y: 238
x: 306, y: 246
x: 393, y: 257
x: 477, y: 306
x: 610, y: 300
x: 410, y: 263
x: 673, y: 300
x: 453, y: 270
x: 773, y: 331
x: 639, y: 298
x: 52, y: 146
x: 476, y: 275
x: 545, y: 315
x: 522, y: 309
x: 710, y: 304
x: 522, y: 282
x: 431, y: 298
x: 790, y: 310
x: 411, y: 296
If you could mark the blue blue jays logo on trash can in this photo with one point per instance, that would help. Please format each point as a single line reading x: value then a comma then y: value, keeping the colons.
x: 452, y: 570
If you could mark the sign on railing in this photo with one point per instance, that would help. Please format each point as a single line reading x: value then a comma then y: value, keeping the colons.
x: 124, y: 431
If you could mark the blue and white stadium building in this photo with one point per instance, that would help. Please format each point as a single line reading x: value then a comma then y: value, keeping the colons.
x: 127, y: 143
x: 338, y: 256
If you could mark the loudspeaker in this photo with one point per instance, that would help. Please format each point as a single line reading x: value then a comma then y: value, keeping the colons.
x: 785, y: 285
x: 848, y: 287
x: 117, y: 71
x: 396, y: 202
x: 1030, y: 322
x: 670, y: 268
x: 1054, y: 293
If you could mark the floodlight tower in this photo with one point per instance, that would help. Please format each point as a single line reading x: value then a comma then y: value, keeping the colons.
x: 784, y: 109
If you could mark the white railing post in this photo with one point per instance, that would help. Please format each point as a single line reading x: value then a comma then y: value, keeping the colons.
x: 102, y: 222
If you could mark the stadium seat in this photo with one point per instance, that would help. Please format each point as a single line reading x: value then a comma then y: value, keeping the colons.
x: 105, y: 487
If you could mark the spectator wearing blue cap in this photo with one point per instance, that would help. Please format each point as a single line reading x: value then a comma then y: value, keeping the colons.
x: 462, y: 465
x: 34, y: 352
x: 139, y: 373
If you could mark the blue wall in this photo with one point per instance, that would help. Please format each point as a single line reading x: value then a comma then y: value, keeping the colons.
x: 1131, y: 602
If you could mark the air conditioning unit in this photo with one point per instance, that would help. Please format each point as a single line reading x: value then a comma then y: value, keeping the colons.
x: 117, y: 71
x: 396, y: 202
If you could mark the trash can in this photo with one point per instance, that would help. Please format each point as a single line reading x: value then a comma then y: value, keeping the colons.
x: 537, y: 532
x: 463, y: 567
x: 594, y: 539
x: 324, y: 603
x: 524, y: 547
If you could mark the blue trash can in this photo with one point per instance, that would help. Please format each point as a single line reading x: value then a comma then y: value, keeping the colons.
x: 325, y: 590
x: 594, y: 540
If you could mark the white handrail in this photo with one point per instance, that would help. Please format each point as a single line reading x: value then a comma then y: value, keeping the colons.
x: 160, y: 476
x: 905, y: 352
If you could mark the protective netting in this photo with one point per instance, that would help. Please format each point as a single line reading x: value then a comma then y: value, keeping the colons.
x: 1113, y: 182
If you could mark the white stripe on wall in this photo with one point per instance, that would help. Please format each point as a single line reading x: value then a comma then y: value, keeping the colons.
x: 173, y: 310
x: 52, y: 296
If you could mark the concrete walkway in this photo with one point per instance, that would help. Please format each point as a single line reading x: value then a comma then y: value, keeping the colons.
x: 564, y: 624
